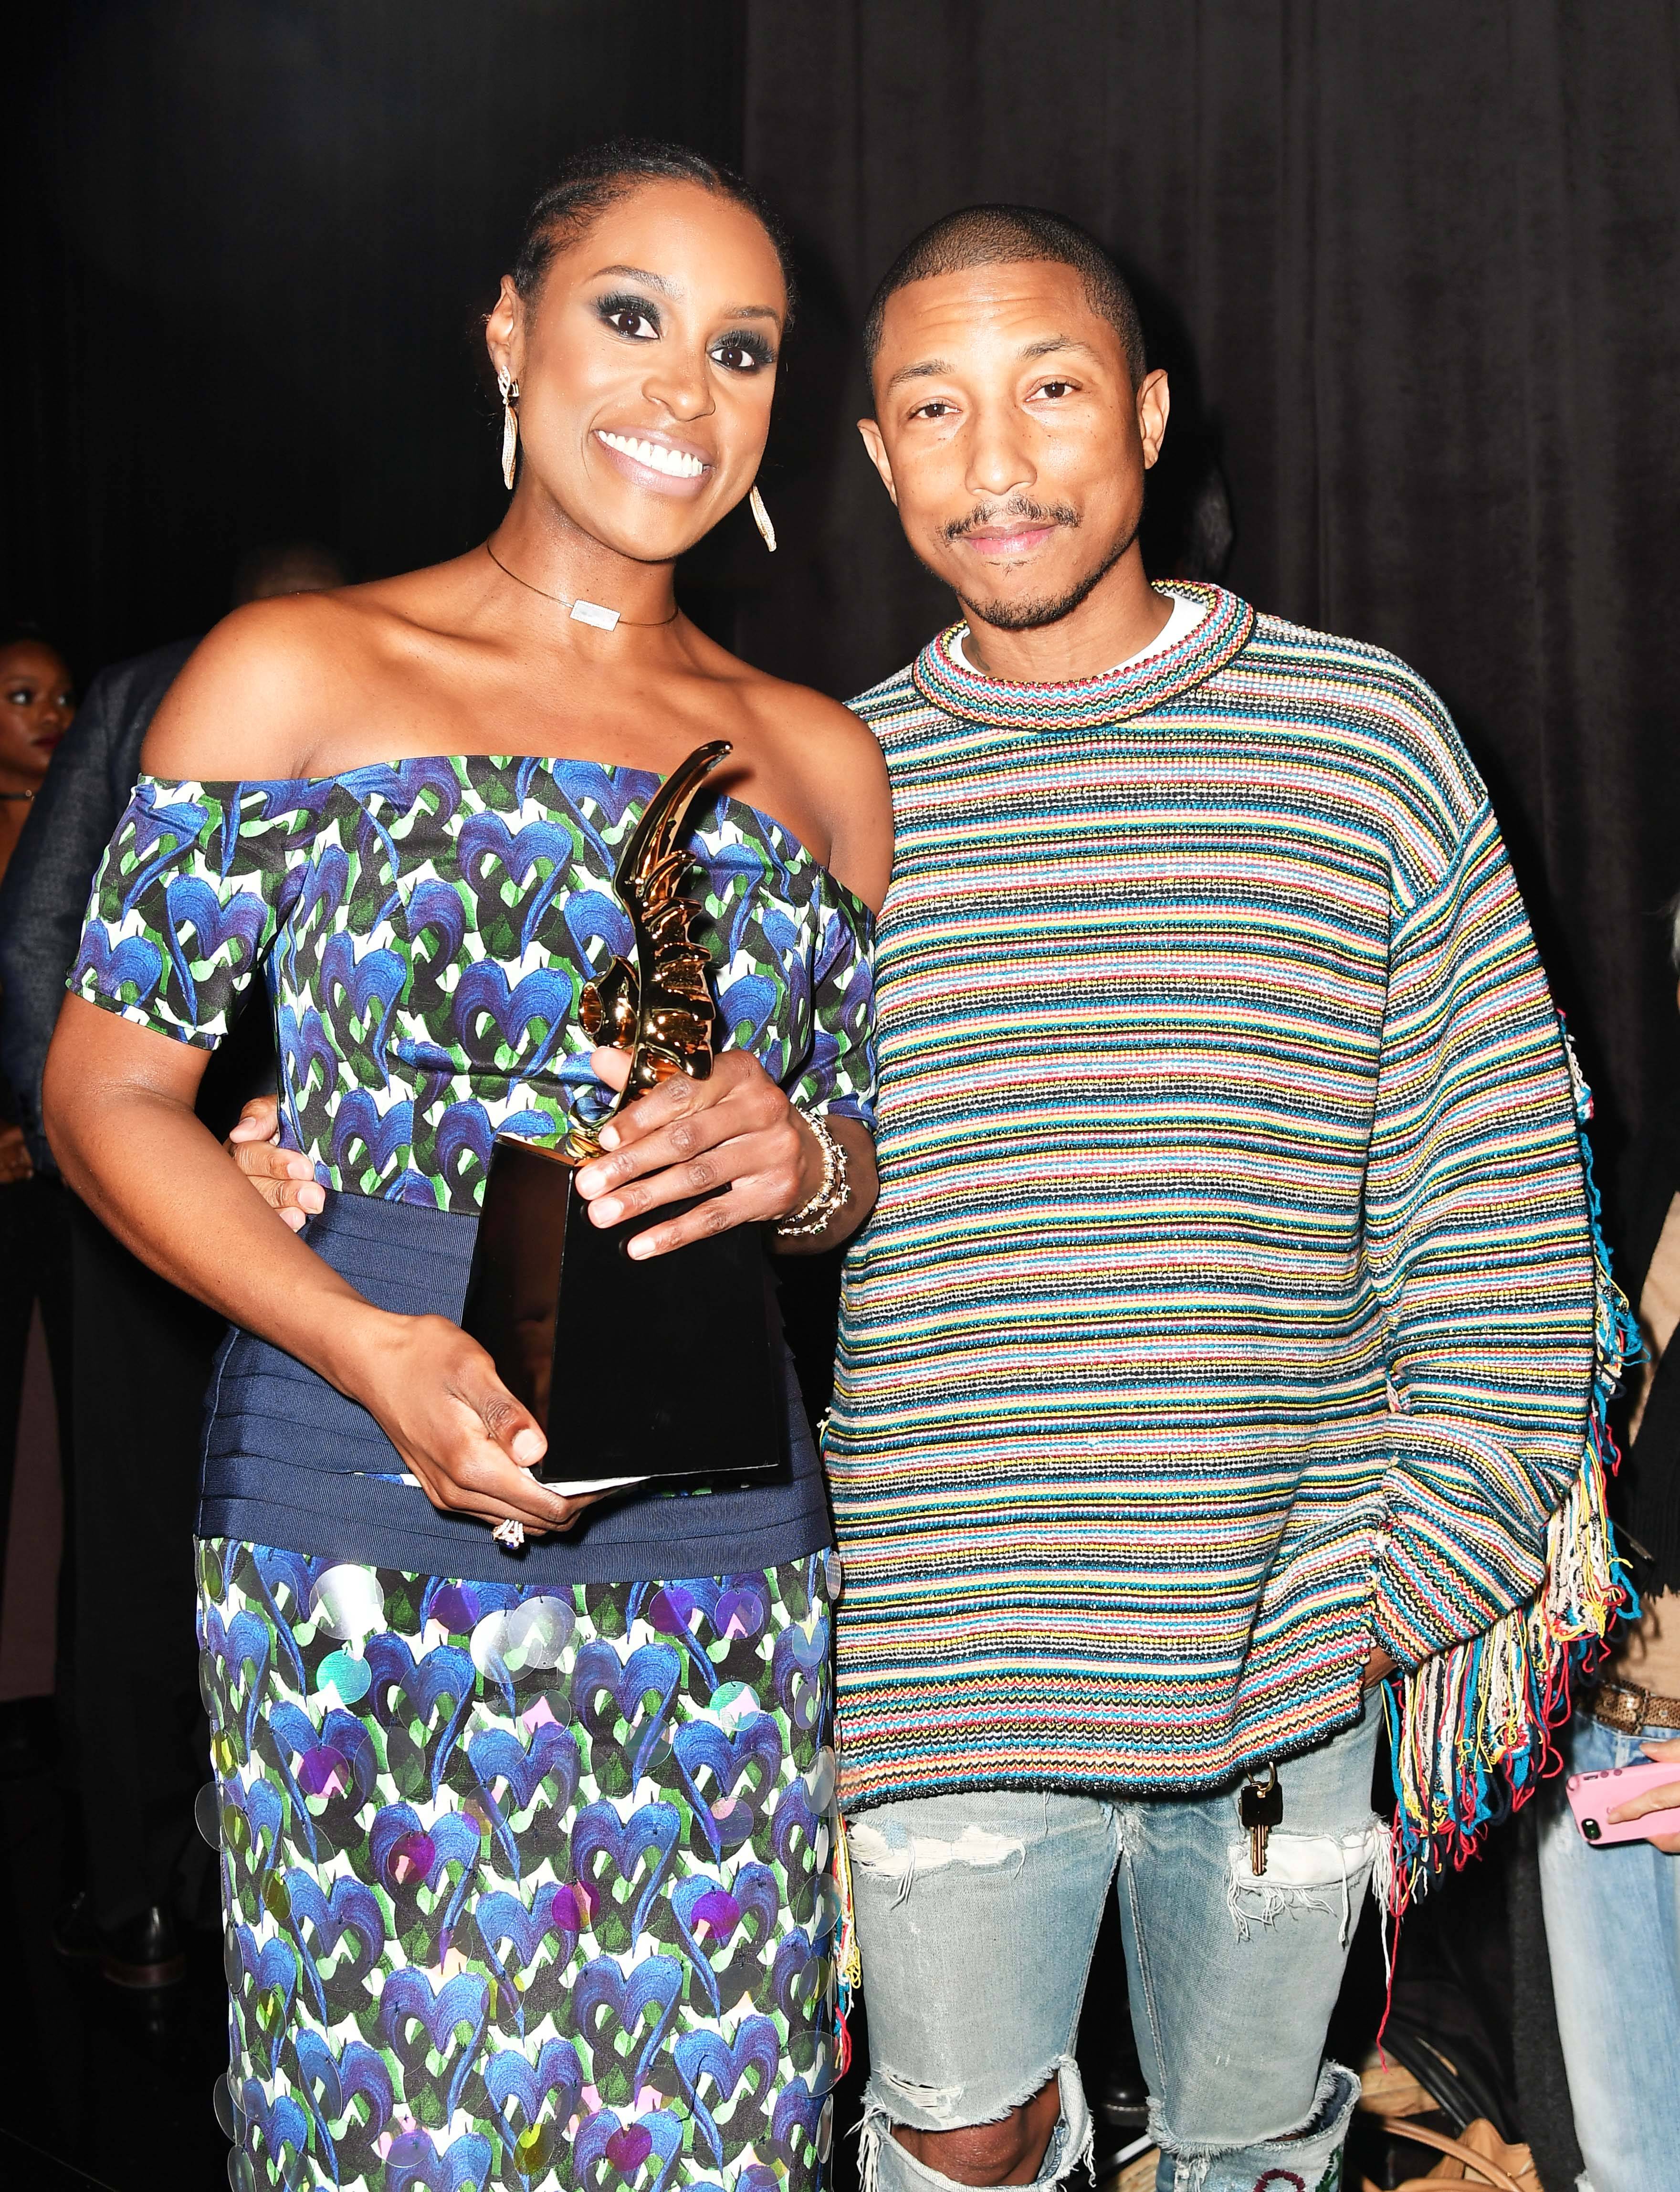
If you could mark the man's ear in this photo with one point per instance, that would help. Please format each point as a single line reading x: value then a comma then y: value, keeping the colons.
x: 1154, y: 401
x: 504, y: 330
x: 878, y: 456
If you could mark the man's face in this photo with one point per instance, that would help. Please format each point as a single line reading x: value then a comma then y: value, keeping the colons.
x: 1009, y: 434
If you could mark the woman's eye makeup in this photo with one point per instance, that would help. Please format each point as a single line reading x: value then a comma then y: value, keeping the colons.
x: 638, y: 317
x: 742, y: 351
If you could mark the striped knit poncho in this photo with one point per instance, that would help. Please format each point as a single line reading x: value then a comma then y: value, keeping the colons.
x: 1233, y: 1303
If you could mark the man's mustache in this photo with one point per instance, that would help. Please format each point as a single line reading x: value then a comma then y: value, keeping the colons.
x: 1017, y: 506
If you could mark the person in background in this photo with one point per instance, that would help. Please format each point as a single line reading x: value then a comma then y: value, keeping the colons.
x: 1613, y: 1914
x: 133, y: 1470
x: 37, y: 703
x: 291, y: 566
x: 45, y: 895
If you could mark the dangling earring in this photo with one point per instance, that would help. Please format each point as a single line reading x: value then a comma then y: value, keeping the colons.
x: 509, y: 389
x: 761, y: 519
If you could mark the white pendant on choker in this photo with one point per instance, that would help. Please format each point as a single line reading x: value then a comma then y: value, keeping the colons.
x: 591, y: 613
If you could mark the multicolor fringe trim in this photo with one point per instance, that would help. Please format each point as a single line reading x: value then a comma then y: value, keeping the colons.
x: 848, y: 1958
x: 1471, y: 1730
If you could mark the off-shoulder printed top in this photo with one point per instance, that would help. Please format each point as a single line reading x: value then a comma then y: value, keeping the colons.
x: 426, y: 927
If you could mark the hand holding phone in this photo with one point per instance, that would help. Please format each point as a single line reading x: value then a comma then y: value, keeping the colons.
x: 1631, y: 1803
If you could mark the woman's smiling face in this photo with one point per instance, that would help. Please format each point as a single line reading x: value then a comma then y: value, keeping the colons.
x: 647, y: 364
x: 36, y: 703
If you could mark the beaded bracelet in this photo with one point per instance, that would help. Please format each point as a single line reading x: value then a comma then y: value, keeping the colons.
x: 832, y: 1196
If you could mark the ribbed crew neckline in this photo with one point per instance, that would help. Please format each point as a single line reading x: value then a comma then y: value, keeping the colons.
x: 943, y: 675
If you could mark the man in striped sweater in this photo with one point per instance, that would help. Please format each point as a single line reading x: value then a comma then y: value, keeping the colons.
x: 1231, y: 1332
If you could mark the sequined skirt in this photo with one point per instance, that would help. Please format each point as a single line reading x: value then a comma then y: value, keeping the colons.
x: 522, y: 1888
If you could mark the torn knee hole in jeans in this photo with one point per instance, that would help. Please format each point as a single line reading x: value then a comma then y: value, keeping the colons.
x: 892, y: 1852
x: 936, y: 2100
x: 894, y: 2104
x: 1304, y: 2158
x: 946, y: 2100
x: 1305, y: 1872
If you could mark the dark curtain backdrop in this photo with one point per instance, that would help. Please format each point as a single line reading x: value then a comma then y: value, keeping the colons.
x: 249, y: 244
x: 1415, y: 271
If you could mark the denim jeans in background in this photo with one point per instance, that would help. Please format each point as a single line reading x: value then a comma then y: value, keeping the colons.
x: 1613, y: 1927
x: 976, y: 1916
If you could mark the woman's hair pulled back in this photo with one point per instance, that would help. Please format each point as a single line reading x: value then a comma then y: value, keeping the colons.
x: 600, y: 175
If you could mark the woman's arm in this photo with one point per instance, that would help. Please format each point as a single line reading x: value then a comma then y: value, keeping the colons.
x: 118, y: 1104
x: 120, y: 1083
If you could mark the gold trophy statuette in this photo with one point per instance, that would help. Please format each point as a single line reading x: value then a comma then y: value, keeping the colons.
x: 662, y: 1369
x: 664, y: 1017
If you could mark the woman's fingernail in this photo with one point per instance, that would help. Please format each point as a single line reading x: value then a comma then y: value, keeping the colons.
x: 640, y: 1247
x: 528, y: 1445
x: 609, y: 1210
x: 591, y: 1180
x: 608, y: 1138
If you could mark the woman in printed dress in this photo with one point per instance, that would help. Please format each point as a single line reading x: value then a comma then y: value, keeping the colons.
x: 525, y: 1857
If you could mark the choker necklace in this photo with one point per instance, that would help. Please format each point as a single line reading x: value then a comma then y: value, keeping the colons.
x: 582, y: 612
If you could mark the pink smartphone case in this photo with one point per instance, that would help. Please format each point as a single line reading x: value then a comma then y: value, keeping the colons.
x: 1592, y: 1795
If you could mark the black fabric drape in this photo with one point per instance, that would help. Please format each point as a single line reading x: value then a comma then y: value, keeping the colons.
x: 1414, y: 268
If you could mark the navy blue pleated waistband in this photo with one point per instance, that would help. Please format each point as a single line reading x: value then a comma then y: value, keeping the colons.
x: 289, y: 1461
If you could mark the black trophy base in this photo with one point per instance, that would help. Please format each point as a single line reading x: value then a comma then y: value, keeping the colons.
x: 660, y: 1369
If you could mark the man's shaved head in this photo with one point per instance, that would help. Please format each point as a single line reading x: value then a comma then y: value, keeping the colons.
x: 1003, y: 236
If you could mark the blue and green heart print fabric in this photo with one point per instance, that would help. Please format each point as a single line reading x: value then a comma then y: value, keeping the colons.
x: 523, y: 1890
x: 428, y: 926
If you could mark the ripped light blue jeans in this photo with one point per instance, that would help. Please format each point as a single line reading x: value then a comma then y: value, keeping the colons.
x: 976, y: 1916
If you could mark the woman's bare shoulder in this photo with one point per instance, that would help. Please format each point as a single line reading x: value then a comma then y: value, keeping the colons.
x: 782, y: 712
x: 842, y: 750
x: 251, y: 700
x: 280, y: 682
x: 838, y: 764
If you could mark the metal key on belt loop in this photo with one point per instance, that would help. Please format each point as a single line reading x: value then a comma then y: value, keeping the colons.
x: 1261, y: 1808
